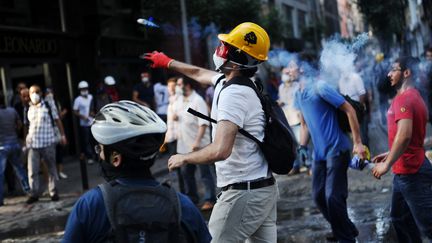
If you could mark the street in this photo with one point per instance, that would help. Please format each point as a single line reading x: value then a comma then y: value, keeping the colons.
x: 298, y: 218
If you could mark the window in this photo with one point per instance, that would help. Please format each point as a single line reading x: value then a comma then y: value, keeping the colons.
x: 289, y: 30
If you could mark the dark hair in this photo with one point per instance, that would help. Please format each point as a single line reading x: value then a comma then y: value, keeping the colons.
x: 429, y: 49
x: 238, y: 56
x: 409, y: 62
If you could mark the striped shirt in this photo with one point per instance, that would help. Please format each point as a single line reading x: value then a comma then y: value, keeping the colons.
x: 41, y: 133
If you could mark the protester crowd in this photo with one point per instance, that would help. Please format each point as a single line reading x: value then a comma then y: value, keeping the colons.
x: 32, y: 137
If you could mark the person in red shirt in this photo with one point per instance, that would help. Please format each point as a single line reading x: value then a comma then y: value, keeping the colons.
x: 412, y: 184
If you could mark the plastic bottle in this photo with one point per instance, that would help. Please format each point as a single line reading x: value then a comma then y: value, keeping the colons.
x: 359, y: 164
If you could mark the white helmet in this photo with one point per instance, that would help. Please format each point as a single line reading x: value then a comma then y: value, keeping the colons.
x: 83, y: 85
x: 133, y: 129
x: 109, y: 80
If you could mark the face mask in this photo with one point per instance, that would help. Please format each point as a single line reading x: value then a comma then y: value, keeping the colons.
x: 285, y: 78
x: 145, y: 79
x: 35, y: 98
x: 84, y: 92
x: 218, y: 62
x: 178, y: 90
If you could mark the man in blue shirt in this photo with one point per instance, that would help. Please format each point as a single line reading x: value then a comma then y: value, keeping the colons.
x: 129, y: 137
x: 318, y: 103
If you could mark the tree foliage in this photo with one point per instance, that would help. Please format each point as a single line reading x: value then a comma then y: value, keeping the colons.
x: 225, y: 14
x: 272, y: 23
x: 385, y: 16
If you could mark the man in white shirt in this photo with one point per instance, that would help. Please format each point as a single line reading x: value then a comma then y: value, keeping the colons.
x: 192, y: 135
x: 81, y: 108
x: 351, y: 84
x: 246, y: 207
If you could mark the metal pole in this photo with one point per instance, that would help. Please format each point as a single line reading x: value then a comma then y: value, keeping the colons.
x: 3, y: 80
x: 185, y: 32
x: 83, y: 166
x: 62, y: 16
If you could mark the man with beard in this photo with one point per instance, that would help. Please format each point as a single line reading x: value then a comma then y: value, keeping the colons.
x: 411, y: 204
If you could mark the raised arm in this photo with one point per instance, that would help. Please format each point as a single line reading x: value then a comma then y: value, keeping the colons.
x: 160, y: 60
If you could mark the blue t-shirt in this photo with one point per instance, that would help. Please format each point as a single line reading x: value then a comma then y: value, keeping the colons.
x: 318, y: 104
x: 88, y: 221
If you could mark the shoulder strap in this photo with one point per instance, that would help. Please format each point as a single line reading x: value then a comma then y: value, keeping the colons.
x: 219, y: 79
x: 242, y: 81
x: 50, y: 113
x: 207, y: 118
x: 108, y: 202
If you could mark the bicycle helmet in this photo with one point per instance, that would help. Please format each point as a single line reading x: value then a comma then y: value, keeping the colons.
x: 129, y: 128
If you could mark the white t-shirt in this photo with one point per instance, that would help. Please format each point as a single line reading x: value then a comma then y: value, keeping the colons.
x: 188, y: 124
x: 161, y: 98
x: 82, y: 105
x: 240, y: 105
x: 171, y: 134
x: 352, y: 85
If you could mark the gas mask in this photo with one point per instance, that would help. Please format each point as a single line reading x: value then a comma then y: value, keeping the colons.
x: 35, y: 98
x: 220, y: 56
x: 218, y: 62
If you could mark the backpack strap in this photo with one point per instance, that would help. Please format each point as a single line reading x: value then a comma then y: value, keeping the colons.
x: 207, y: 118
x: 246, y: 82
x: 109, y: 201
x: 219, y: 79
x: 50, y: 113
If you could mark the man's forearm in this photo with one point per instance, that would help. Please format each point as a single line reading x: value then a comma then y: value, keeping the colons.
x: 354, y: 125
x: 199, y: 74
x: 207, y: 155
x: 398, y: 148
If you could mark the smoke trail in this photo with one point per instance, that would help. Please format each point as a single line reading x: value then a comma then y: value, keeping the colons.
x: 280, y: 58
x: 338, y: 58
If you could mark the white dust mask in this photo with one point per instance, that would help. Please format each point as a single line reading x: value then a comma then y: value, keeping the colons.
x: 35, y: 98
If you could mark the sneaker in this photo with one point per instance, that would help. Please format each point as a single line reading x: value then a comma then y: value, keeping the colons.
x: 207, y: 206
x: 63, y: 175
x: 32, y: 200
x: 55, y: 197
x: 90, y: 161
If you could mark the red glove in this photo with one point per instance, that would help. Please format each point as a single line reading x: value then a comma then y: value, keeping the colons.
x: 158, y: 59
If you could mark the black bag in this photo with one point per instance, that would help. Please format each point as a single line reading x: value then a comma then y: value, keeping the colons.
x: 343, y: 118
x: 279, y: 145
x: 144, y: 214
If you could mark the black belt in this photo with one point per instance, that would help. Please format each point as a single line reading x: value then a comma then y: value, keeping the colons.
x: 250, y: 184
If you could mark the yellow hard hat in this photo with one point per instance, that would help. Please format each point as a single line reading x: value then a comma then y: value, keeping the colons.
x: 250, y: 38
